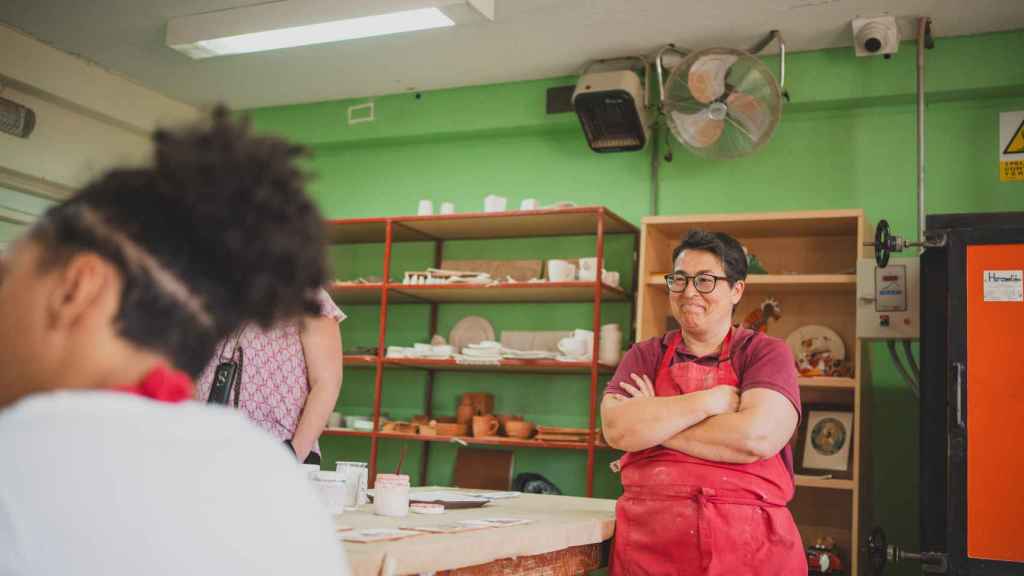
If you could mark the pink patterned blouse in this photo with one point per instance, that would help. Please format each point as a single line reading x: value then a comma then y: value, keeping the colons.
x: 274, y: 378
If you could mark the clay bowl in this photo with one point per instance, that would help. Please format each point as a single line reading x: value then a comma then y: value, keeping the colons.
x: 519, y: 428
x: 451, y: 429
x: 400, y: 427
x: 504, y: 419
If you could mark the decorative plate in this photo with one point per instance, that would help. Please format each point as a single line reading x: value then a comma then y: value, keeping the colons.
x: 814, y: 338
x: 470, y: 330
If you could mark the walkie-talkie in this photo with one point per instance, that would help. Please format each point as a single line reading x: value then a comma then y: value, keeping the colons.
x: 227, y: 377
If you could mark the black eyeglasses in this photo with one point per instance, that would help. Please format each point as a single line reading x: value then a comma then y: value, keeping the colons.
x: 703, y: 283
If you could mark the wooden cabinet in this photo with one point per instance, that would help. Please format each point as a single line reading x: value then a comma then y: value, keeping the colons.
x: 811, y: 258
x: 595, y: 221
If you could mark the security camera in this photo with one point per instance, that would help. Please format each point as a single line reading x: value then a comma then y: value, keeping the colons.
x: 876, y: 36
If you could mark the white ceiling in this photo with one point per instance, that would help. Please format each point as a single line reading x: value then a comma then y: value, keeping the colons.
x: 529, y: 39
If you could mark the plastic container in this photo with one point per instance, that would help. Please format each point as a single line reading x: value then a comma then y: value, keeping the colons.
x: 391, y: 495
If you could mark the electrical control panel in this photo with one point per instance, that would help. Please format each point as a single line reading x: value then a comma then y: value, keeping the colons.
x: 888, y: 299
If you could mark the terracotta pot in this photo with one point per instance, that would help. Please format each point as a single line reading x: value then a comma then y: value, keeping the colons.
x: 486, y: 425
x: 481, y: 401
x: 465, y: 412
x: 519, y: 428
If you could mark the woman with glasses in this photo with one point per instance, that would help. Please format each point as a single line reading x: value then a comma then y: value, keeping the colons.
x: 705, y: 414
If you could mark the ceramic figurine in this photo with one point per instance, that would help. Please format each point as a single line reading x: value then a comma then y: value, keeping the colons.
x: 758, y: 320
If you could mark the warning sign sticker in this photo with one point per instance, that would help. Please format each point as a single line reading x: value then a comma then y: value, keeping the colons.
x: 1011, y: 146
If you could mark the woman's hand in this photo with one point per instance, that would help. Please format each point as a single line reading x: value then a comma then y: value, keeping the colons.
x: 642, y: 387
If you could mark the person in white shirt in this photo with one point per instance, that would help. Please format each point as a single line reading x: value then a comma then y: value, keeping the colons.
x: 109, y: 306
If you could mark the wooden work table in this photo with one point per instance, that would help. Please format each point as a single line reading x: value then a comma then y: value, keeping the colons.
x: 564, y: 531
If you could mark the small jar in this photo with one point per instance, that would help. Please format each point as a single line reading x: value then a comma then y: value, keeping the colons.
x: 391, y: 495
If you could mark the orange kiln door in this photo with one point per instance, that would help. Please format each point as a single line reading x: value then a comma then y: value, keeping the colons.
x: 995, y: 403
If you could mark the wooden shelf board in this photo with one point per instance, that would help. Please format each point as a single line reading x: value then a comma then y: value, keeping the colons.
x: 509, y: 292
x: 503, y: 292
x: 345, y: 432
x: 355, y: 293
x: 491, y: 441
x: 766, y: 224
x: 828, y: 383
x: 484, y: 441
x: 507, y: 365
x: 577, y: 221
x: 830, y: 483
x: 783, y: 282
x: 359, y: 361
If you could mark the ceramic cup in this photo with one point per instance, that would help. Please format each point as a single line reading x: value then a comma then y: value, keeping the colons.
x: 332, y: 489
x: 572, y: 347
x: 447, y: 208
x: 586, y: 335
x: 528, y: 204
x: 611, y: 345
x: 334, y: 420
x: 426, y: 208
x: 561, y: 271
x: 610, y: 278
x: 355, y: 476
x: 493, y: 203
x: 588, y: 269
x: 486, y: 425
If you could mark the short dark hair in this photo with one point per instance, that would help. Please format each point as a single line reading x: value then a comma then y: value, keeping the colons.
x: 218, y: 232
x: 722, y: 245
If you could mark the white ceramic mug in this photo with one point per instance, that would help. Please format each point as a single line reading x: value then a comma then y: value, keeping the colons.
x: 494, y: 203
x: 447, y: 208
x: 561, y: 271
x: 426, y: 208
x: 588, y: 269
x: 332, y: 491
x: 528, y: 204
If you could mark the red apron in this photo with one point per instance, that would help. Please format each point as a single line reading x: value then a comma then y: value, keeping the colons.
x: 683, y: 515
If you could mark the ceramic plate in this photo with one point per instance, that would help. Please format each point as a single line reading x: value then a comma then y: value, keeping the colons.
x: 470, y: 330
x: 817, y: 337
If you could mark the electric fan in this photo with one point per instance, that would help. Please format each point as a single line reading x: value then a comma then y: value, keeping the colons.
x: 722, y: 103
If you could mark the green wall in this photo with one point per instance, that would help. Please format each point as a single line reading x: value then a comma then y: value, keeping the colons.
x: 847, y: 140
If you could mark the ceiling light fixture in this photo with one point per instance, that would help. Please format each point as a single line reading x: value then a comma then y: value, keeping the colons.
x: 291, y: 23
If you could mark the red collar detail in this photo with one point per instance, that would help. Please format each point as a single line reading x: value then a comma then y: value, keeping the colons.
x: 162, y: 384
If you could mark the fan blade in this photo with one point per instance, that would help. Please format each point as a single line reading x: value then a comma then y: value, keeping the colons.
x: 706, y: 78
x: 699, y: 130
x: 750, y: 113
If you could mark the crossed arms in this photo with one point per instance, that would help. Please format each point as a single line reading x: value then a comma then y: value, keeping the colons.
x: 718, y: 424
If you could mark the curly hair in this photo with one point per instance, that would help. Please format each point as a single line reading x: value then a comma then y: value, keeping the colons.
x: 725, y: 247
x: 218, y: 232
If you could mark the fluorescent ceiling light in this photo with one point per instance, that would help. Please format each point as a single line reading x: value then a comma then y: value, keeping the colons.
x: 365, y: 27
x: 290, y: 23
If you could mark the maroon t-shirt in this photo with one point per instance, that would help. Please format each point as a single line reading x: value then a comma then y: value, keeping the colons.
x: 760, y: 361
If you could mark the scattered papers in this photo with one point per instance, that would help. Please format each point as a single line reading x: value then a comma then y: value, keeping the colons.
x: 376, y: 535
x: 496, y: 522
x: 494, y: 495
x: 444, y: 496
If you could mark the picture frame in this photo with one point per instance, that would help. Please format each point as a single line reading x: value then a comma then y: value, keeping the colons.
x: 824, y: 441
